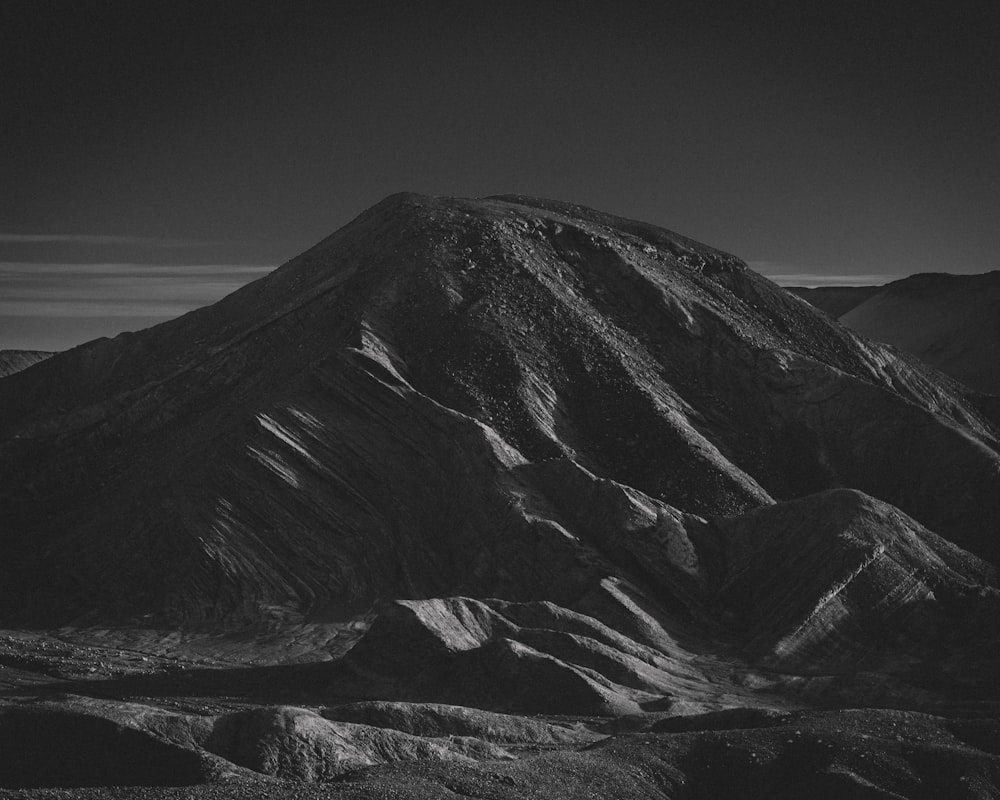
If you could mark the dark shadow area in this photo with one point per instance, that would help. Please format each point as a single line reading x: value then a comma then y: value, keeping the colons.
x: 59, y: 748
x: 281, y: 684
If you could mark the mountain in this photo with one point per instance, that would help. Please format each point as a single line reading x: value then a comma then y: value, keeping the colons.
x: 363, y: 422
x: 12, y: 361
x: 834, y: 300
x: 951, y: 322
x: 511, y: 455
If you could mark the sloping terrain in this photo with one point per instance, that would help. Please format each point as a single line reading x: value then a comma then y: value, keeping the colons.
x: 852, y: 586
x: 355, y: 425
x: 84, y: 742
x: 951, y: 322
x: 832, y: 755
x: 12, y: 361
x: 834, y: 300
x: 511, y: 456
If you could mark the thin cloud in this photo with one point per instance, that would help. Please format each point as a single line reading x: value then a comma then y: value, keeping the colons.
x: 78, y: 238
x: 786, y: 274
x: 811, y: 280
x: 149, y: 291
x: 61, y: 308
x: 29, y: 268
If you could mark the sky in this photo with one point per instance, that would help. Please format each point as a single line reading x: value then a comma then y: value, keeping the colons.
x: 156, y: 155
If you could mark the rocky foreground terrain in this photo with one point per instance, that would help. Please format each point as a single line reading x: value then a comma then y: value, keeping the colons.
x: 498, y: 498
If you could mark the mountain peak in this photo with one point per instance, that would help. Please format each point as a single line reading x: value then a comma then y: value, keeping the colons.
x: 403, y: 407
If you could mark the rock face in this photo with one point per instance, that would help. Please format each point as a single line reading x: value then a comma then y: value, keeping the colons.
x: 12, y: 361
x: 951, y: 322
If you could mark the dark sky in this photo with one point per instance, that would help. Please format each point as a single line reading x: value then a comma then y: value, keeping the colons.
x: 155, y: 155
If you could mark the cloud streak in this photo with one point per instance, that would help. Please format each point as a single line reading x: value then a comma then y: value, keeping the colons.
x: 813, y: 280
x: 789, y: 274
x: 80, y: 238
x: 58, y: 305
x: 29, y: 269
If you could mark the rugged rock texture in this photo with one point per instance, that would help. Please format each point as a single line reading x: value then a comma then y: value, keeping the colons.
x: 367, y: 421
x: 533, y: 658
x: 298, y: 744
x: 832, y: 755
x: 832, y: 584
x: 951, y: 322
x: 436, y: 720
x: 12, y: 361
x: 852, y: 582
x: 77, y: 741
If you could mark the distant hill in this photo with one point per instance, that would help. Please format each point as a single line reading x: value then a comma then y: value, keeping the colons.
x: 12, y: 361
x: 835, y: 300
x: 951, y: 322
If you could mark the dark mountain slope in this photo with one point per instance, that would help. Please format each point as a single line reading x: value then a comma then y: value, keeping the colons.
x: 361, y: 423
